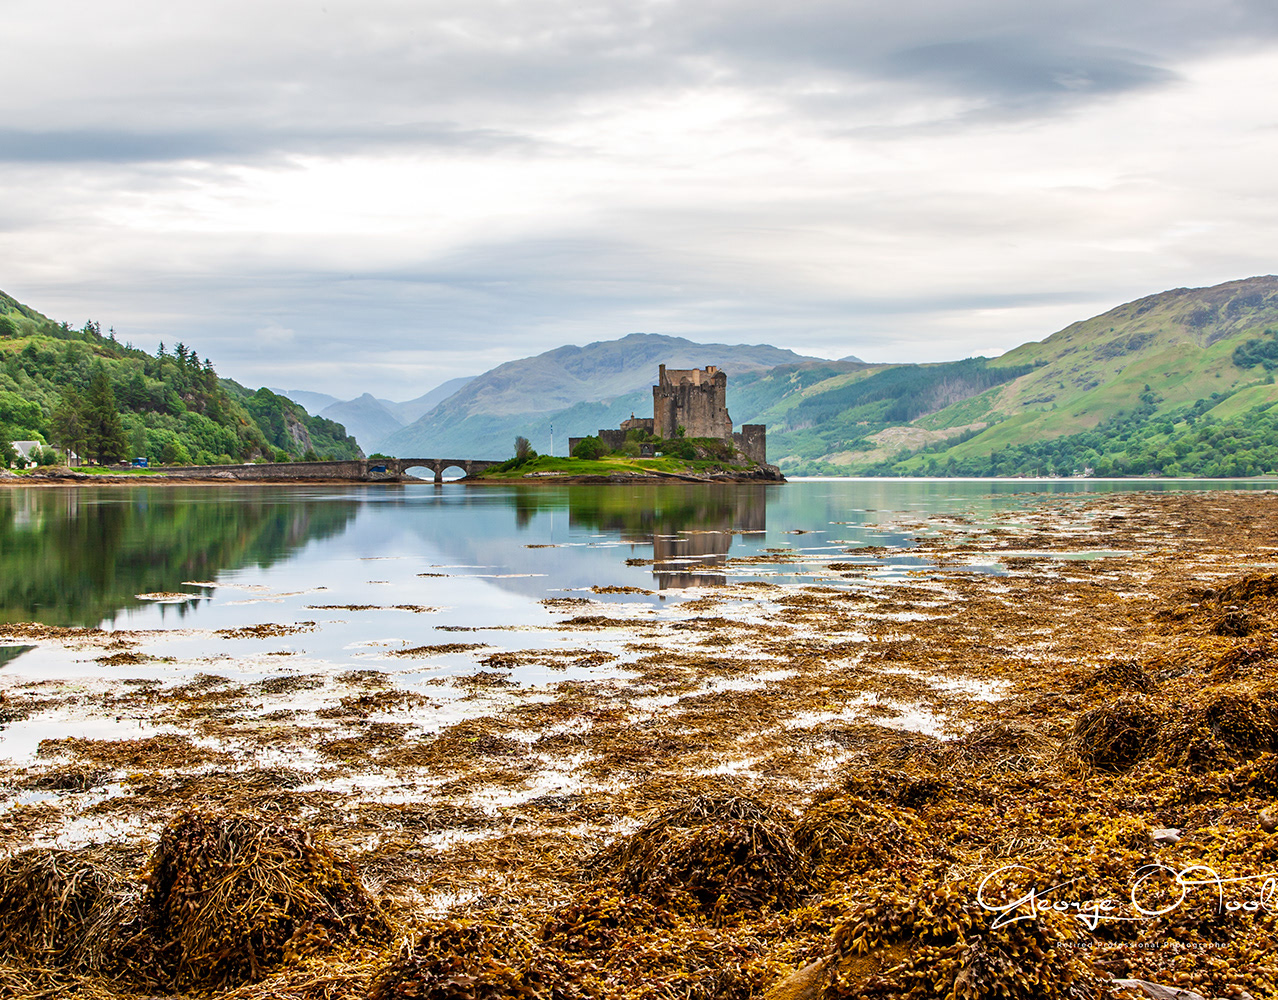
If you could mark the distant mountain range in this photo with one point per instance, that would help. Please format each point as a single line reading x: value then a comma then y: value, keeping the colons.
x: 369, y: 419
x: 577, y: 390
x: 1127, y: 391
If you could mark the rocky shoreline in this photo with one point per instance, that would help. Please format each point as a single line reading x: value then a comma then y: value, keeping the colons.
x: 984, y: 779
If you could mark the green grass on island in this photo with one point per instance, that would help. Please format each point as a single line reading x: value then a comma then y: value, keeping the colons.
x: 613, y: 465
x: 591, y: 457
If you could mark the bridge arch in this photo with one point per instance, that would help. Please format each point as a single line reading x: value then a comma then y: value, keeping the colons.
x: 438, y: 467
x: 447, y: 469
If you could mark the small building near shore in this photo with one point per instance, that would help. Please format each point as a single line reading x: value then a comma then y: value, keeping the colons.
x: 26, y: 451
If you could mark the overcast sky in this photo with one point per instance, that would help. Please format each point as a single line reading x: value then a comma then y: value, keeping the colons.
x: 379, y: 196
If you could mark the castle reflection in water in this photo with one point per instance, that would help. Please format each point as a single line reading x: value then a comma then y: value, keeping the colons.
x: 690, y: 530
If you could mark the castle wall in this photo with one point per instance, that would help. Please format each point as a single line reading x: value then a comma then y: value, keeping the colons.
x: 613, y: 438
x: 752, y: 441
x: 695, y: 400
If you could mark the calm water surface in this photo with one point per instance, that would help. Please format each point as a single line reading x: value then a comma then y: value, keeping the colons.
x: 480, y: 557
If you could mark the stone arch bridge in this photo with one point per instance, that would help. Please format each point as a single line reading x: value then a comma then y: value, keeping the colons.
x: 380, y: 470
x: 400, y: 466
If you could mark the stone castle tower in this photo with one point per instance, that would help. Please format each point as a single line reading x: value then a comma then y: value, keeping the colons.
x: 695, y: 399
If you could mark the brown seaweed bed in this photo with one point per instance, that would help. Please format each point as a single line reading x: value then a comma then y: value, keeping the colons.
x: 1034, y: 784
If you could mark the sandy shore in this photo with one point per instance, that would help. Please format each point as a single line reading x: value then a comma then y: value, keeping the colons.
x: 764, y: 778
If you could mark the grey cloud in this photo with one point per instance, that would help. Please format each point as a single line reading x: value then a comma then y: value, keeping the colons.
x: 127, y: 146
x: 300, y: 83
x: 90, y: 126
x: 1002, y: 54
x: 1026, y: 71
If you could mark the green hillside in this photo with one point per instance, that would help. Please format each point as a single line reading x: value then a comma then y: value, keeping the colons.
x: 1230, y: 434
x: 821, y: 413
x: 1181, y: 342
x: 60, y: 385
x: 1099, y: 388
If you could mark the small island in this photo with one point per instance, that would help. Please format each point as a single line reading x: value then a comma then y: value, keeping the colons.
x: 689, y: 437
x: 700, y: 460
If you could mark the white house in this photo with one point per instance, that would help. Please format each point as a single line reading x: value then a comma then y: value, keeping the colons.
x: 25, y: 450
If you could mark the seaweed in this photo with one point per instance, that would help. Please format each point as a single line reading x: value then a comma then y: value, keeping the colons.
x: 230, y: 897
x: 935, y: 941
x: 1117, y: 676
x: 721, y: 857
x: 1115, y: 735
x: 852, y: 835
x: 557, y: 846
x: 75, y: 910
x: 464, y: 960
x: 598, y: 922
x: 438, y: 649
x: 901, y: 788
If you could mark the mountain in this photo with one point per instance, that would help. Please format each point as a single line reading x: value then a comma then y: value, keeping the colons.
x: 526, y: 396
x: 1100, y: 393
x: 312, y: 402
x: 823, y: 414
x: 368, y: 418
x: 172, y: 406
x: 365, y: 417
x: 411, y: 410
x: 1180, y: 341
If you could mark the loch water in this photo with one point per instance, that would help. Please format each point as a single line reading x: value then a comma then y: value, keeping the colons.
x: 186, y: 560
x: 318, y: 590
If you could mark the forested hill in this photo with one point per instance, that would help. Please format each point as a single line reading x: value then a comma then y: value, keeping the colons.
x: 110, y: 401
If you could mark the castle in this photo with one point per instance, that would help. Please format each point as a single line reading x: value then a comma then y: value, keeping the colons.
x: 694, y: 399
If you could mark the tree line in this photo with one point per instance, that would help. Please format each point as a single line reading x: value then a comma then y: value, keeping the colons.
x: 84, y: 392
x: 1188, y: 441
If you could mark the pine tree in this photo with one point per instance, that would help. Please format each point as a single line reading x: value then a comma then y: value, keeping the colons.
x: 104, y: 431
x: 8, y: 454
x: 66, y: 423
